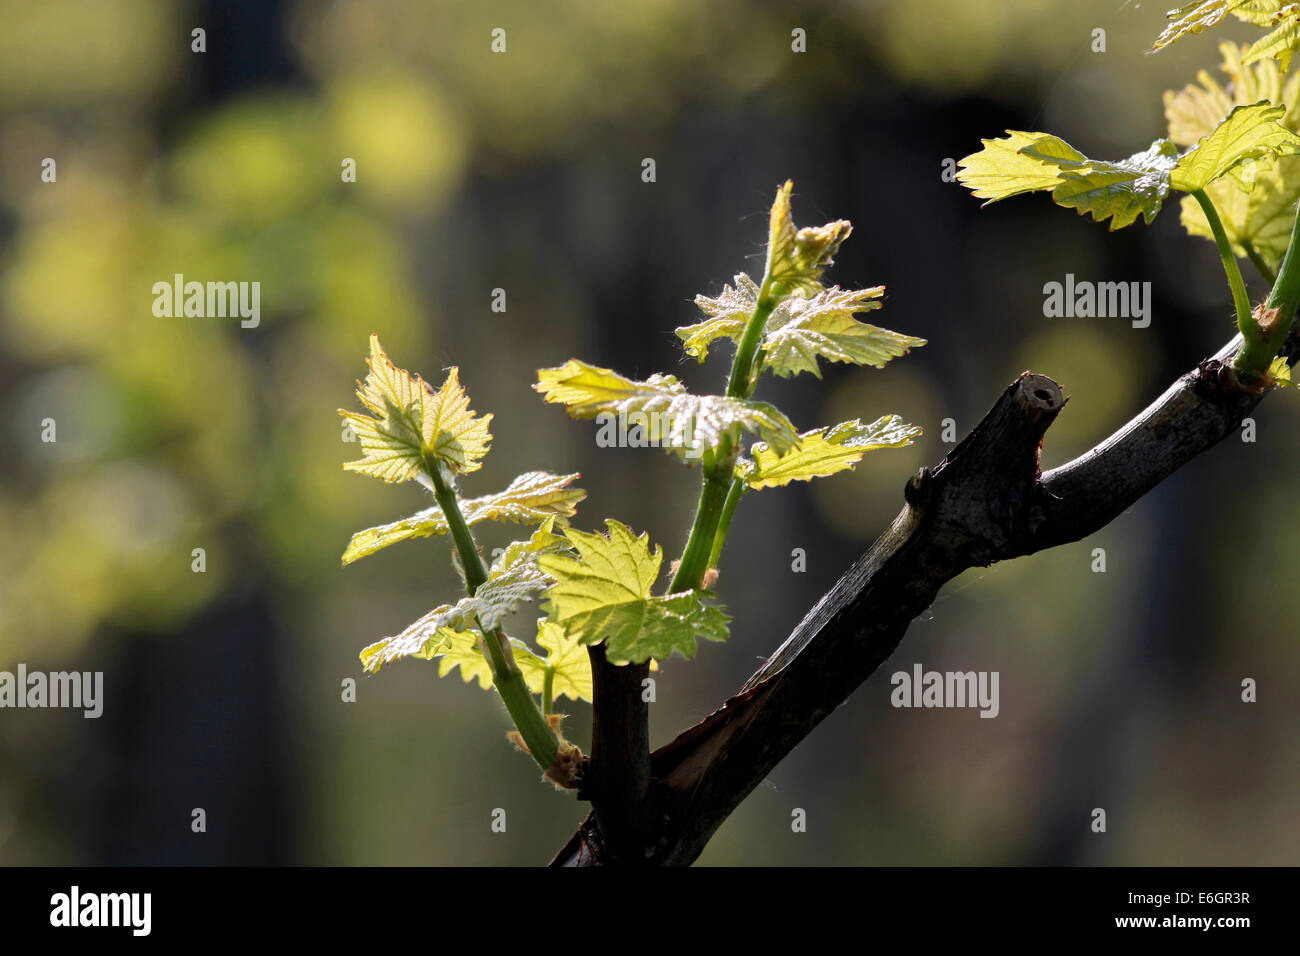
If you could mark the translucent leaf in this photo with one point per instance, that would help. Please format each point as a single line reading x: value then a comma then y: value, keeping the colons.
x: 824, y: 451
x: 463, y: 650
x: 566, y: 660
x: 1263, y: 216
x: 1247, y: 136
x: 1192, y: 18
x: 801, y: 331
x: 513, y: 580
x: 517, y: 554
x: 1280, y: 372
x: 409, y: 421
x: 1282, y: 43
x: 796, y: 258
x: 424, y: 637
x: 1119, y: 191
x: 605, y: 596
x: 530, y: 499
x: 515, y: 577
x: 728, y: 315
x: 1030, y: 162
x: 1122, y: 190
x: 671, y: 415
x: 1001, y: 170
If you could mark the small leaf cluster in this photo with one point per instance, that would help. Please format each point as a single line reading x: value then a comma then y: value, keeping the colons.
x: 1241, y: 144
x: 603, y: 587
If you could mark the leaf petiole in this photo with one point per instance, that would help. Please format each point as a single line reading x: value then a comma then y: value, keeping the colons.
x: 734, y: 494
x: 548, y: 691
x: 1264, y: 338
x: 1240, y: 298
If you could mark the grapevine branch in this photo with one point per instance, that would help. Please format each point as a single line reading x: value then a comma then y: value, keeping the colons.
x: 986, y: 501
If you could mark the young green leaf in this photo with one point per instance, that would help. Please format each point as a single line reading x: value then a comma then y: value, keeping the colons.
x: 1029, y: 162
x: 519, y: 554
x: 1120, y: 190
x: 424, y: 637
x: 513, y: 579
x: 462, y: 649
x: 1192, y: 18
x: 800, y: 330
x: 1258, y: 222
x: 411, y: 423
x: 1249, y: 136
x: 1282, y: 43
x: 1280, y: 373
x: 796, y: 258
x: 605, y: 596
x: 671, y: 415
x: 566, y: 661
x: 1002, y: 168
x: 728, y: 315
x: 530, y: 499
x: 824, y: 451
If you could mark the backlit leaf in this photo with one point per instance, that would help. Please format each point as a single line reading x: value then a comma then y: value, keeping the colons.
x: 796, y: 258
x: 410, y: 421
x: 1191, y: 18
x: 424, y: 637
x: 1249, y: 136
x: 1001, y: 170
x: 824, y: 451
x: 604, y: 595
x: 530, y: 499
x: 463, y: 650
x: 802, y: 331
x: 1029, y: 162
x: 566, y: 659
x: 670, y: 415
x: 1282, y: 43
x: 1120, y: 190
x: 1263, y: 216
x: 728, y: 315
x: 513, y: 579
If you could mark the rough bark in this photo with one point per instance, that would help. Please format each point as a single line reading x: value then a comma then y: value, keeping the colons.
x: 986, y: 501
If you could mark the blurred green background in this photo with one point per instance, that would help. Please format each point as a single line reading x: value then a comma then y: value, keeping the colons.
x: 522, y: 171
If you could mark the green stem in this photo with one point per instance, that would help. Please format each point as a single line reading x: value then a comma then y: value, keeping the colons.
x: 718, y: 465
x: 548, y: 691
x: 1263, y: 344
x: 542, y: 743
x: 1240, y: 299
x: 741, y: 382
x: 703, y: 545
x: 724, y: 523
x: 1258, y: 262
x: 470, y: 559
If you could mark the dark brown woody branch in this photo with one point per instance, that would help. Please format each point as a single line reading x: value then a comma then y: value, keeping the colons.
x: 986, y: 501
